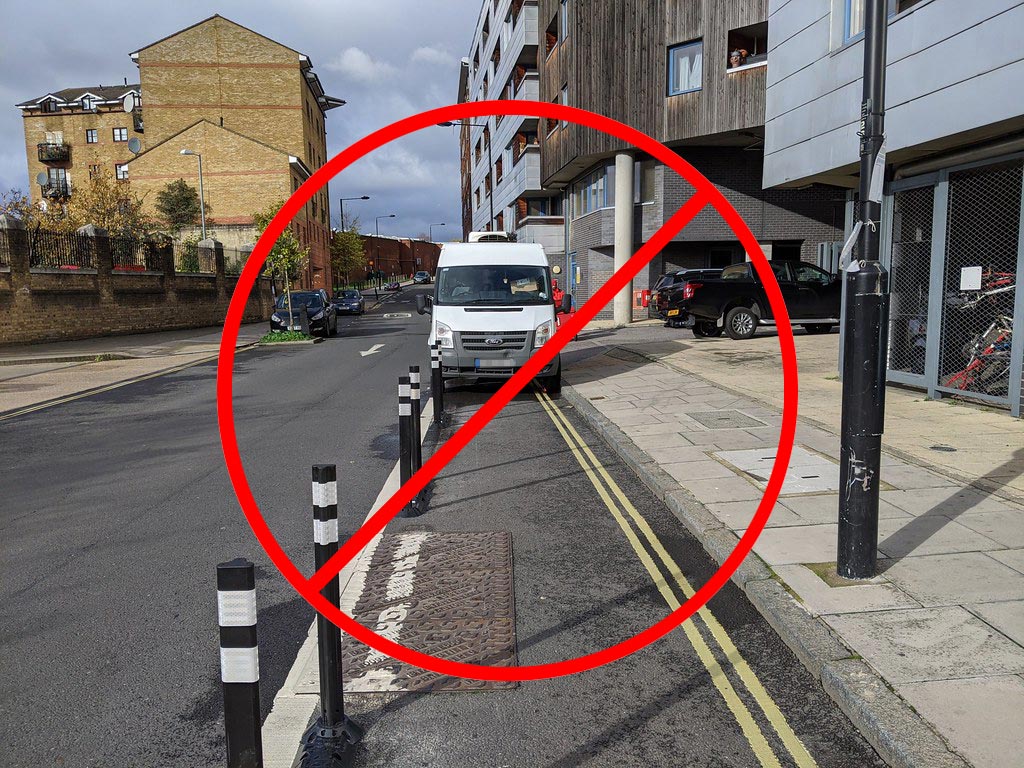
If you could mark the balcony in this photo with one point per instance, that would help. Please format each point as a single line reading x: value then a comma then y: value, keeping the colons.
x: 54, y: 153
x: 56, y: 190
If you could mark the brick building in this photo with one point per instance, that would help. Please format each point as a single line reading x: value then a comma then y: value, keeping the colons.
x: 253, y: 108
x: 400, y: 256
x: 73, y: 133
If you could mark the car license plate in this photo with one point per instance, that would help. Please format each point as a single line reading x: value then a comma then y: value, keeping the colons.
x: 294, y: 327
x: 673, y: 312
x: 500, y: 363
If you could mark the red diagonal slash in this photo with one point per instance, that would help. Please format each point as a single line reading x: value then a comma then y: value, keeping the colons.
x: 309, y: 589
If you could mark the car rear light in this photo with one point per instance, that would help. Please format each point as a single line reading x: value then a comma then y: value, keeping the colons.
x: 690, y: 289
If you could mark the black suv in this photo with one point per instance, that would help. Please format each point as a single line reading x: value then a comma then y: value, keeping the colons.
x: 323, y: 318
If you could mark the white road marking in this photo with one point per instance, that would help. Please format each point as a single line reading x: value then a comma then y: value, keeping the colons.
x: 372, y: 350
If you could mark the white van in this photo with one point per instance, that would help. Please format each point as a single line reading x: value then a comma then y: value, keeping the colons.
x: 492, y: 308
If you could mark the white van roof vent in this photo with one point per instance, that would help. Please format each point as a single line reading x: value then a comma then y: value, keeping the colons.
x: 491, y: 237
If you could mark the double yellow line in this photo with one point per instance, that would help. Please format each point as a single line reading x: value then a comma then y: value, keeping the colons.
x: 622, y: 508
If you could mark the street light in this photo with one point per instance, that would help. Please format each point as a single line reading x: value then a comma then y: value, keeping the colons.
x: 490, y: 162
x: 376, y: 224
x: 342, y: 203
x: 430, y: 229
x: 202, y: 201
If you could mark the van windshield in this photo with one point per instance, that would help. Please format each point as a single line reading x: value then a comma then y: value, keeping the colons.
x: 493, y: 284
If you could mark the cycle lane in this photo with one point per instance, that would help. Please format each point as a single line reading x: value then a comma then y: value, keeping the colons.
x: 596, y: 558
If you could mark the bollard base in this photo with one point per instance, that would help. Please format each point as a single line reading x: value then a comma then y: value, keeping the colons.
x: 327, y: 746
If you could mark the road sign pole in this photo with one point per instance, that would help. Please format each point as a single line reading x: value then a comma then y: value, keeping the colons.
x: 865, y: 331
x: 239, y: 663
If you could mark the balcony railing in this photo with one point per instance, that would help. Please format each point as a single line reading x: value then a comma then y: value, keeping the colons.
x: 56, y: 189
x: 54, y: 153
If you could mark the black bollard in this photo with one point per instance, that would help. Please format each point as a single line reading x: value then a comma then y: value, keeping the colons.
x: 415, y: 434
x: 436, y: 383
x: 325, y: 740
x: 304, y: 319
x: 239, y: 663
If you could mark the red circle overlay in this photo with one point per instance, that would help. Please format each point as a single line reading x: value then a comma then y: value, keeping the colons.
x: 704, y: 193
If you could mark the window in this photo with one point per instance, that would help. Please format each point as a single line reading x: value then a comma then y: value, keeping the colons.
x: 550, y: 122
x: 121, y: 171
x: 563, y: 99
x: 120, y: 134
x: 853, y: 18
x: 748, y: 46
x: 551, y: 35
x: 591, y: 193
x: 487, y: 184
x: 498, y: 165
x: 478, y: 150
x: 563, y: 20
x: 94, y: 171
x: 500, y: 222
x: 902, y: 5
x: 478, y: 197
x: 91, y: 137
x: 55, y: 137
x: 50, y: 105
x: 808, y: 273
x: 643, y: 181
x: 685, y: 65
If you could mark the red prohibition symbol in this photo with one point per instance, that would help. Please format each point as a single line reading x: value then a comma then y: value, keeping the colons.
x: 704, y: 194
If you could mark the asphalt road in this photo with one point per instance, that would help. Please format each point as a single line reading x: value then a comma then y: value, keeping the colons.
x: 115, y: 510
x: 580, y: 586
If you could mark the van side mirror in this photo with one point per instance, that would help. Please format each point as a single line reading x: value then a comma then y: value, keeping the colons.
x: 423, y: 303
x: 566, y: 306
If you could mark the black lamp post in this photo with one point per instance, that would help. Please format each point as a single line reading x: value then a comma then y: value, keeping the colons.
x: 341, y: 202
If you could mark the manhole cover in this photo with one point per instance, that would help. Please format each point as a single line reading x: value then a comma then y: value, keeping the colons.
x: 396, y: 315
x: 727, y: 419
x: 445, y: 594
x: 807, y: 473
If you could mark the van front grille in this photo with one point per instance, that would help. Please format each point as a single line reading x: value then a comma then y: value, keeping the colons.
x: 482, y: 341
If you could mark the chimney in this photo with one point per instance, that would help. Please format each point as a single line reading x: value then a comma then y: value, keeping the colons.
x: 126, y: 81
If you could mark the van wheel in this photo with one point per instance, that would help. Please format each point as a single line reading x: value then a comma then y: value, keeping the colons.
x: 706, y: 329
x: 740, y: 323
x: 819, y: 328
x: 553, y: 384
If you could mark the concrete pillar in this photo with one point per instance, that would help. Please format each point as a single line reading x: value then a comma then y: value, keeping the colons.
x: 623, y: 303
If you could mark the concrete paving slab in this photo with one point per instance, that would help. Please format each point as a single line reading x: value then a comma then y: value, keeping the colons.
x: 1011, y: 557
x: 954, y: 579
x: 722, y: 489
x: 824, y: 508
x: 698, y: 470
x: 798, y: 544
x: 738, y: 514
x: 947, y: 501
x: 913, y: 645
x: 820, y: 598
x: 929, y: 535
x: 1007, y: 617
x: 807, y: 472
x: 911, y: 478
x: 1006, y: 527
x: 982, y: 717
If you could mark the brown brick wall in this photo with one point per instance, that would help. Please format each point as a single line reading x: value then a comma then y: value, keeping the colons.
x: 41, y: 306
x: 106, y: 152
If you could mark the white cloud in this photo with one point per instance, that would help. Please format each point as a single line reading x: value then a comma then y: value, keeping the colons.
x: 357, y: 65
x: 428, y: 54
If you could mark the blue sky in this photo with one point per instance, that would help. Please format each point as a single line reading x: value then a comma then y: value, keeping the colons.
x: 387, y: 59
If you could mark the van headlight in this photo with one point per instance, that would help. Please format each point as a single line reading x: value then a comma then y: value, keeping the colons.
x: 444, y: 336
x: 541, y: 334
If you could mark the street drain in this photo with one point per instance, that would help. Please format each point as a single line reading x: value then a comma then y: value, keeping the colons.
x: 725, y: 419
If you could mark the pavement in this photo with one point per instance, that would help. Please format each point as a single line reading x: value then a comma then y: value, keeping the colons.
x: 924, y: 654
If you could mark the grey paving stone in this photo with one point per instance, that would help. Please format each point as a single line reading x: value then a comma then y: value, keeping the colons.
x: 898, y: 733
x: 698, y: 470
x: 722, y: 489
x: 820, y: 598
x: 1011, y: 557
x: 912, y: 478
x: 914, y: 645
x: 738, y: 514
x: 983, y: 717
x: 1005, y: 527
x: 929, y: 535
x: 944, y: 501
x: 955, y: 579
x: 798, y: 544
x: 1007, y: 617
x: 824, y: 508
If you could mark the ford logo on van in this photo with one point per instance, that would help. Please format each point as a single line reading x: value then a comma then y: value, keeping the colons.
x: 494, y: 341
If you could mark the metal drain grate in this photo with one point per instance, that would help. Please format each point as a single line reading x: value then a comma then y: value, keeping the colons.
x: 726, y: 419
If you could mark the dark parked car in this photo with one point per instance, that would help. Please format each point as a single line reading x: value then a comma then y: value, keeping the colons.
x: 323, y: 319
x: 421, y: 278
x: 670, y: 288
x: 348, y: 303
x: 736, y: 300
x: 394, y: 285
